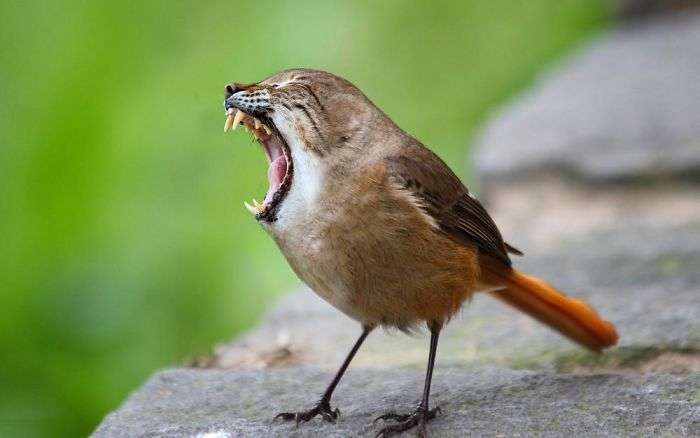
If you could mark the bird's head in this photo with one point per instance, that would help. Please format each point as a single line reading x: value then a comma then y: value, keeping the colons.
x: 304, y: 119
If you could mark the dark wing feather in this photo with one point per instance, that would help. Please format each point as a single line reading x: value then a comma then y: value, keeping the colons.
x: 446, y: 199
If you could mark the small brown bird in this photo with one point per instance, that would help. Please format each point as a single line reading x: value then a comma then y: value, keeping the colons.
x: 379, y: 226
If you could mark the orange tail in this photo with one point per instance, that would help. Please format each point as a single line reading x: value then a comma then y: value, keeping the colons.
x: 571, y: 317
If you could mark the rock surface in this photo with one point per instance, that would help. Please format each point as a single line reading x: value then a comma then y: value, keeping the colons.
x: 623, y: 233
x: 482, y: 402
x: 625, y: 108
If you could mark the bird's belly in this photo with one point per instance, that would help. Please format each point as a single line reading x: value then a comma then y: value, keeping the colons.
x: 381, y: 272
x: 320, y: 266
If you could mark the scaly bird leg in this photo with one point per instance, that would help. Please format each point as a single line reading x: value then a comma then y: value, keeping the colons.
x: 423, y: 413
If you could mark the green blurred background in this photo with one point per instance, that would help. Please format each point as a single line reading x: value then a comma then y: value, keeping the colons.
x: 124, y: 242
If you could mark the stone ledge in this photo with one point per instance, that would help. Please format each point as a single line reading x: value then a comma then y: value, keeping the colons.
x: 481, y: 402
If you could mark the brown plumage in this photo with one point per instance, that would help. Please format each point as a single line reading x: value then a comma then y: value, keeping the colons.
x: 378, y: 225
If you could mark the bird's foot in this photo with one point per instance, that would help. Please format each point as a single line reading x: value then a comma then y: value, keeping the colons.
x: 323, y: 408
x: 419, y: 417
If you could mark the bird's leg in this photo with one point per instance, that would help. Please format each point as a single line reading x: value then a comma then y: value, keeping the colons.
x: 323, y: 407
x: 423, y: 413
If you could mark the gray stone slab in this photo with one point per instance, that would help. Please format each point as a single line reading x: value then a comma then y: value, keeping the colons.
x: 645, y: 280
x: 625, y: 107
x: 483, y: 402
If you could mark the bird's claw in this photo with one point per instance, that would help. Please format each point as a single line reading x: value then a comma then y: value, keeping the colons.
x: 419, y: 418
x: 323, y: 408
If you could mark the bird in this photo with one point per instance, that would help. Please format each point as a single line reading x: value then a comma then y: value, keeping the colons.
x: 379, y: 226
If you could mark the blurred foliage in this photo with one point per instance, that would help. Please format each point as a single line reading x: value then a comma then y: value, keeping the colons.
x: 125, y: 246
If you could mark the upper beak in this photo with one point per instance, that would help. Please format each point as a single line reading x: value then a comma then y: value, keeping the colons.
x: 230, y: 90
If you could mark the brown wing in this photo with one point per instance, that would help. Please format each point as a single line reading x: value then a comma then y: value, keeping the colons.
x: 457, y: 212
